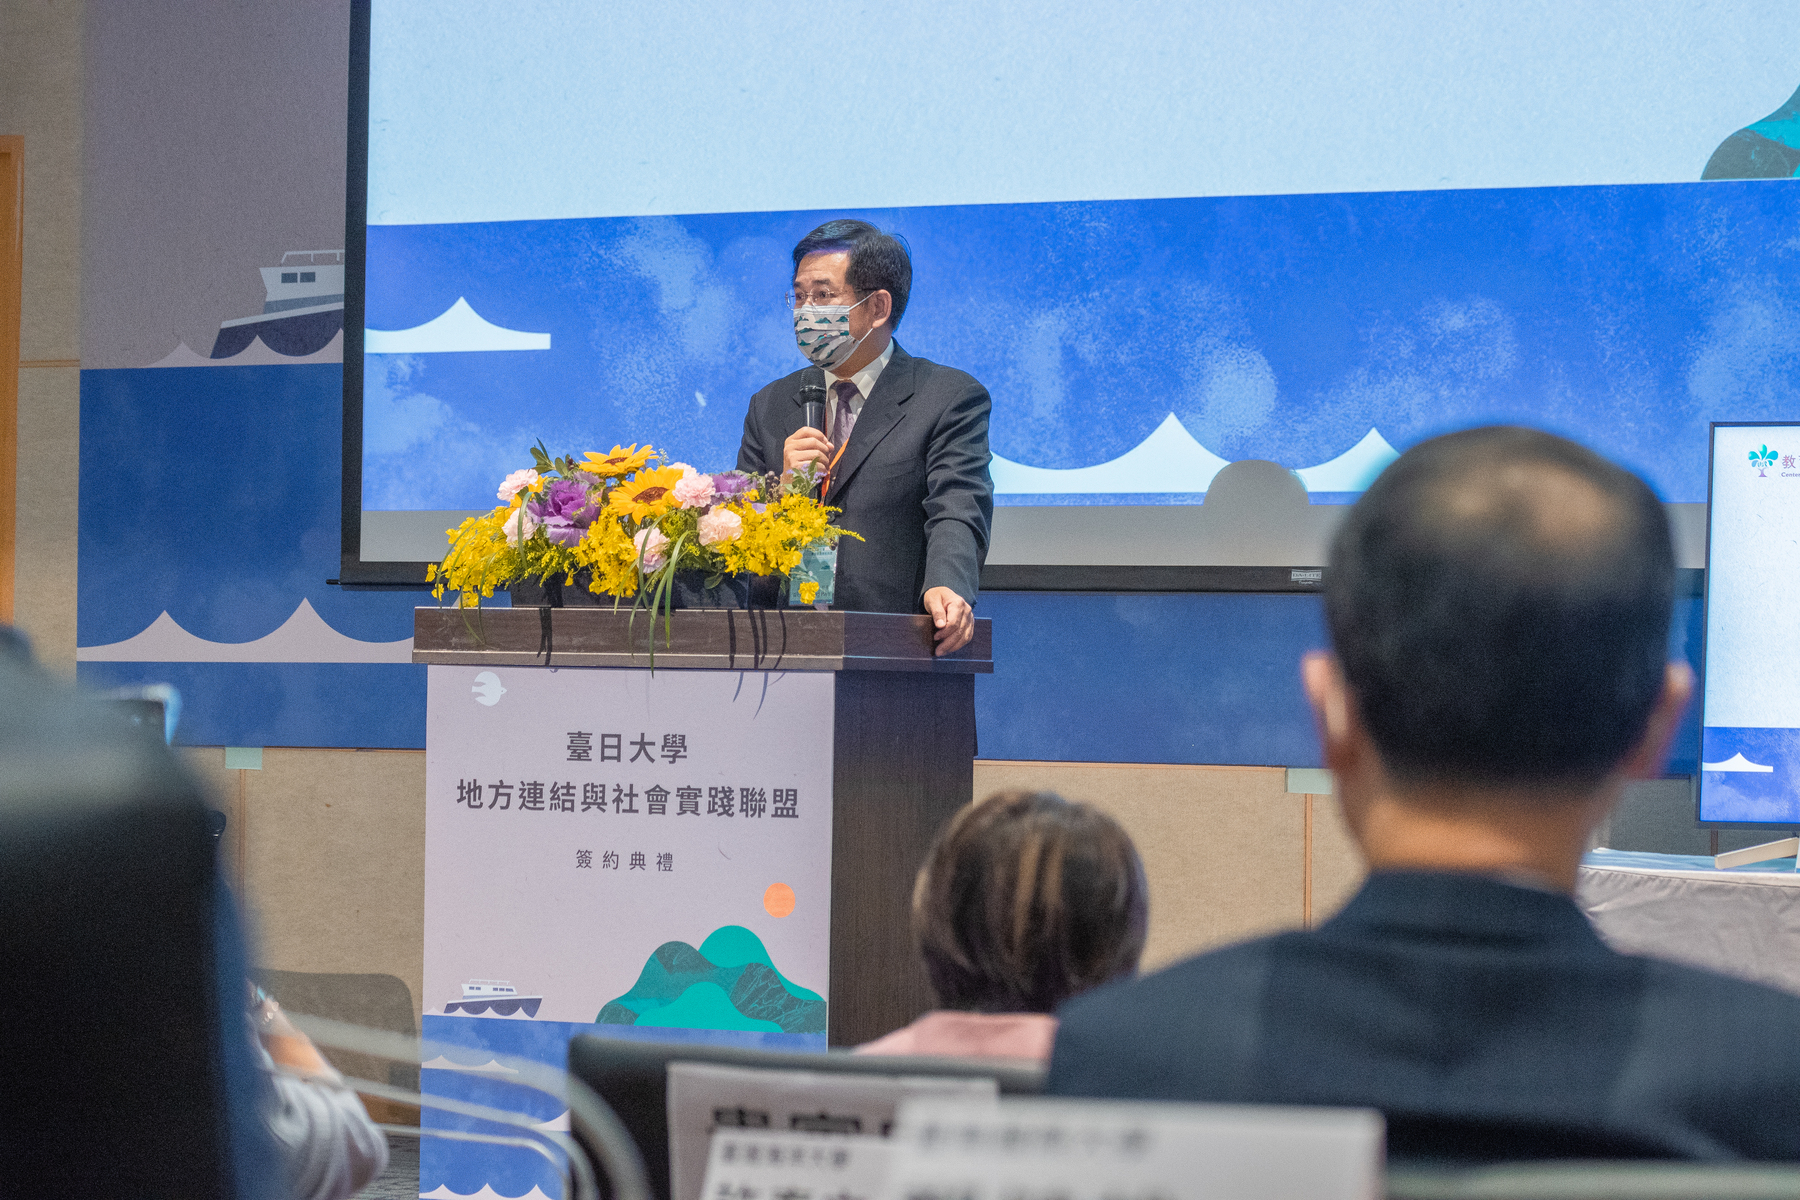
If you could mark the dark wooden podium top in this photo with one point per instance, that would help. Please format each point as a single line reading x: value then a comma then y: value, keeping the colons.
x: 709, y: 639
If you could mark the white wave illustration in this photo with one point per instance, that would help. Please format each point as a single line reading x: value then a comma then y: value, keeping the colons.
x: 1171, y: 460
x: 443, y: 1192
x: 555, y: 1124
x: 1737, y: 762
x: 181, y: 356
x: 256, y: 354
x: 458, y: 328
x: 1353, y: 470
x: 490, y: 1067
x: 303, y: 638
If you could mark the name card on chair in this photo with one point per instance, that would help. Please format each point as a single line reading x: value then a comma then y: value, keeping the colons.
x: 1037, y: 1149
x: 795, y: 1166
x: 705, y: 1098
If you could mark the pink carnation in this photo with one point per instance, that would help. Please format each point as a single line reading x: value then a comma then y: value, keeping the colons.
x: 517, y: 482
x: 521, y: 519
x: 694, y: 490
x: 720, y: 525
x: 652, y: 547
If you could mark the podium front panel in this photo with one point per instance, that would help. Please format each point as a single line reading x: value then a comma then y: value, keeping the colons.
x: 691, y: 854
x: 610, y: 852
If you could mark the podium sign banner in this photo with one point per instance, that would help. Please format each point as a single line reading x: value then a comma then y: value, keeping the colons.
x: 615, y: 852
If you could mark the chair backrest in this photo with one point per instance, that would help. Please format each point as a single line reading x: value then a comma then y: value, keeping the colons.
x: 124, y: 1052
x: 632, y: 1077
x: 372, y: 1001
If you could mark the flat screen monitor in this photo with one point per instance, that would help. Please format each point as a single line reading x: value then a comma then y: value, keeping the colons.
x: 1750, y: 694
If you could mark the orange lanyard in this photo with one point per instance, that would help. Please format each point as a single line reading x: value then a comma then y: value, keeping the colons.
x: 830, y: 467
x: 825, y: 480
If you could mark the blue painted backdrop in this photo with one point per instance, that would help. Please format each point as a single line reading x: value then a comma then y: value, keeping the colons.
x: 1206, y: 678
x: 1281, y: 327
x: 212, y: 493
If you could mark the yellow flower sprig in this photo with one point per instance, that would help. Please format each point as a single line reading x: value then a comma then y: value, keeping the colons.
x: 609, y: 554
x: 774, y: 539
x: 478, y: 559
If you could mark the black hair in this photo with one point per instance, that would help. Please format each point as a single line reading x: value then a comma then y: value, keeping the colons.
x: 1026, y: 900
x: 878, y: 261
x: 1500, y: 601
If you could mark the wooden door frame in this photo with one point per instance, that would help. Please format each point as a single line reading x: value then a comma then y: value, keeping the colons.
x: 12, y: 263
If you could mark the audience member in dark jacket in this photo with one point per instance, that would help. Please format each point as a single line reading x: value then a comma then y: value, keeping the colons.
x: 1499, y: 606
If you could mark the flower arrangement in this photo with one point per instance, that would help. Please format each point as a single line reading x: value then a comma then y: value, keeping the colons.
x: 632, y: 523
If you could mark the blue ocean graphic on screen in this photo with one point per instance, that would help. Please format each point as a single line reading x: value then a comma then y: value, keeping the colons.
x: 1131, y: 347
x: 1750, y: 775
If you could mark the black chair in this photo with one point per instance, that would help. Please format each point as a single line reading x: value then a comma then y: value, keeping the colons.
x: 632, y: 1077
x: 1596, y: 1181
x: 124, y: 1054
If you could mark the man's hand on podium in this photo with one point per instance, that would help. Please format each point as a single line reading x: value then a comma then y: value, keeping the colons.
x: 955, y: 619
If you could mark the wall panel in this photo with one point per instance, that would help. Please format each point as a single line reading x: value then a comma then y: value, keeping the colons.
x: 1222, y: 846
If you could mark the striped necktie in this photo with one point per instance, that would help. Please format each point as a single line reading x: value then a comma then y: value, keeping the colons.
x: 842, y: 419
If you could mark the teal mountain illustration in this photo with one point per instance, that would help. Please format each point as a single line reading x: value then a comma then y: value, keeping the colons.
x: 1766, y: 149
x: 728, y: 983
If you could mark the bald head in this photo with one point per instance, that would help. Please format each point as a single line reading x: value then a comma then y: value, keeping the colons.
x: 1500, y: 602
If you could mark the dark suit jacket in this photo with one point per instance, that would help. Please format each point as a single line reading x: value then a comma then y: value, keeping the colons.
x: 1487, y: 1021
x: 913, y: 481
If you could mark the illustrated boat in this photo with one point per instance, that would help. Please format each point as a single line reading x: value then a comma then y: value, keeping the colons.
x: 479, y: 995
x: 303, y: 308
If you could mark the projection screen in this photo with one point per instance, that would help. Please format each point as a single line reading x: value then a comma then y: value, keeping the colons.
x: 1296, y: 237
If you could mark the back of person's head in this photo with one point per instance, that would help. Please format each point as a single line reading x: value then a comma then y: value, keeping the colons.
x: 1025, y: 900
x: 878, y: 260
x: 1500, y: 600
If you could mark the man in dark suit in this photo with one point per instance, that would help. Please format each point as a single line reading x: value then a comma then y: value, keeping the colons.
x: 905, y: 448
x: 1499, y: 604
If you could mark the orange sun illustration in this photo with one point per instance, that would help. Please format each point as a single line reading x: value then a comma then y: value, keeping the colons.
x: 779, y: 899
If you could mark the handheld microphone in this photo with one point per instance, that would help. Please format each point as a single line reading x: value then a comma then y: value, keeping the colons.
x: 812, y: 399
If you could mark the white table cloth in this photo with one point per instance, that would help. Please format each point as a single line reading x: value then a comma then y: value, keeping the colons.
x: 1743, y: 921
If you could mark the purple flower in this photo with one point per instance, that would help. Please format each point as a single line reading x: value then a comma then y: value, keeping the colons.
x: 566, y: 508
x: 729, y: 484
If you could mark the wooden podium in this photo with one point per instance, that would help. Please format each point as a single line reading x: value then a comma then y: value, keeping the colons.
x: 903, y: 748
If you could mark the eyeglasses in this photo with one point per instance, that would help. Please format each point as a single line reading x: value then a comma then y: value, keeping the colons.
x: 795, y: 299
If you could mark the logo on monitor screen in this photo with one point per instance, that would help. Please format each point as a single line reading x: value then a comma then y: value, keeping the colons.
x: 1762, y: 460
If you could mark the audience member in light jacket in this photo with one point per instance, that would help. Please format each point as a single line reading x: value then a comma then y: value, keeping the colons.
x: 1499, y: 606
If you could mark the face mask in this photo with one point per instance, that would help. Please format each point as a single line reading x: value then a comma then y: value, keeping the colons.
x: 823, y: 333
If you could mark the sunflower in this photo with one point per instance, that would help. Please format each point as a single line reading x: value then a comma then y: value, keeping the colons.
x: 622, y: 461
x: 650, y: 495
